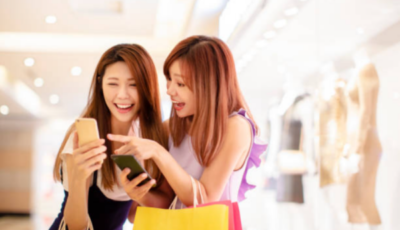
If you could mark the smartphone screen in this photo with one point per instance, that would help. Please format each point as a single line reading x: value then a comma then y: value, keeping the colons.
x: 129, y: 161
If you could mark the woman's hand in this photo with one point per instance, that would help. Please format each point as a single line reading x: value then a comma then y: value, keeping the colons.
x: 132, y: 188
x: 85, y: 159
x: 142, y: 149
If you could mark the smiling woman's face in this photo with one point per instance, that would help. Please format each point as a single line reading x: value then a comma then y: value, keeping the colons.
x: 120, y: 92
x: 181, y: 96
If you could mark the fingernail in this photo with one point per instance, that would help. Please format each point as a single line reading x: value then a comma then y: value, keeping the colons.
x: 143, y: 175
x: 153, y: 181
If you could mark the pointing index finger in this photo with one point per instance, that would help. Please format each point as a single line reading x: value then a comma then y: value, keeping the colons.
x: 118, y: 138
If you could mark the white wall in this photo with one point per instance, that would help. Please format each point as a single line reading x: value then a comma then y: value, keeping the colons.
x: 388, y: 179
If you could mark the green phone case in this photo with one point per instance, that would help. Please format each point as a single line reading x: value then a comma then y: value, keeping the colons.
x: 129, y: 161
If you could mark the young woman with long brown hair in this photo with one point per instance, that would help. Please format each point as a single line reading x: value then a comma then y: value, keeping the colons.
x: 124, y: 100
x: 212, y: 137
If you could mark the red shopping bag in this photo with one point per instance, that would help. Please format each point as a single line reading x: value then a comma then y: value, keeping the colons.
x: 235, y: 223
x: 236, y: 216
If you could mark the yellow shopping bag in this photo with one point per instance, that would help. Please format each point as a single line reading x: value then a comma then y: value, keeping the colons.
x: 212, y: 217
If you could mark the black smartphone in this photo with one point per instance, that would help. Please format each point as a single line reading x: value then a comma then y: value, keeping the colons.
x: 129, y: 161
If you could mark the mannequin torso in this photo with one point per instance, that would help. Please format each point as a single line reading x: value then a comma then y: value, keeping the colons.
x: 363, y: 138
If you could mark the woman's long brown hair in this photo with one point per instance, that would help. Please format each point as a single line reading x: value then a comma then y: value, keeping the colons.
x: 144, y: 72
x: 209, y: 71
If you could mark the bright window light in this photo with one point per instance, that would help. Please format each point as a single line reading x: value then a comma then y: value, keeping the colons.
x: 231, y: 16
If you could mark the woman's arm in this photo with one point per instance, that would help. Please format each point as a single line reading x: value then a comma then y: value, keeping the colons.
x: 76, y: 210
x: 232, y: 155
x: 80, y: 166
x: 161, y: 197
x: 132, y: 211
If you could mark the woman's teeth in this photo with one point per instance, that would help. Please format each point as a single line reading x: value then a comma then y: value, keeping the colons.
x: 123, y: 106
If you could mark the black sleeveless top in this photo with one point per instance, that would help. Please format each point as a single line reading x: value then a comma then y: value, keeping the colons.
x: 106, y: 214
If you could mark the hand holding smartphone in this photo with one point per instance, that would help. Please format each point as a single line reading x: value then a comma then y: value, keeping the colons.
x: 129, y: 161
x: 87, y: 131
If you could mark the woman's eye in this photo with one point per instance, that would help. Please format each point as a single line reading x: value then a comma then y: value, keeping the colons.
x: 112, y: 84
x: 134, y: 85
x: 181, y: 85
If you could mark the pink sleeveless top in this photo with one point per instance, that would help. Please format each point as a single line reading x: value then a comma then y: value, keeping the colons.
x: 237, y: 185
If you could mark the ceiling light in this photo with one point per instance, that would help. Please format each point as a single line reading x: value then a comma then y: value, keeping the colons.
x: 4, y: 110
x: 269, y: 34
x: 29, y: 62
x: 360, y: 31
x: 76, y: 71
x: 291, y: 11
x: 280, y: 23
x: 54, y: 99
x: 38, y: 82
x: 51, y: 19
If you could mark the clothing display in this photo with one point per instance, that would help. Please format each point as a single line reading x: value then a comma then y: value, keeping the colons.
x: 363, y: 137
x: 291, y: 158
x: 289, y: 188
x: 291, y: 136
x: 291, y: 154
x: 331, y: 130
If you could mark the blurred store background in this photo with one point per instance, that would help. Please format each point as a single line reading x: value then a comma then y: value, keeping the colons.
x: 297, y: 63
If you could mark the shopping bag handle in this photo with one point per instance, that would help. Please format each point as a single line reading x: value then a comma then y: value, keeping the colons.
x: 195, y: 202
x: 201, y: 194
